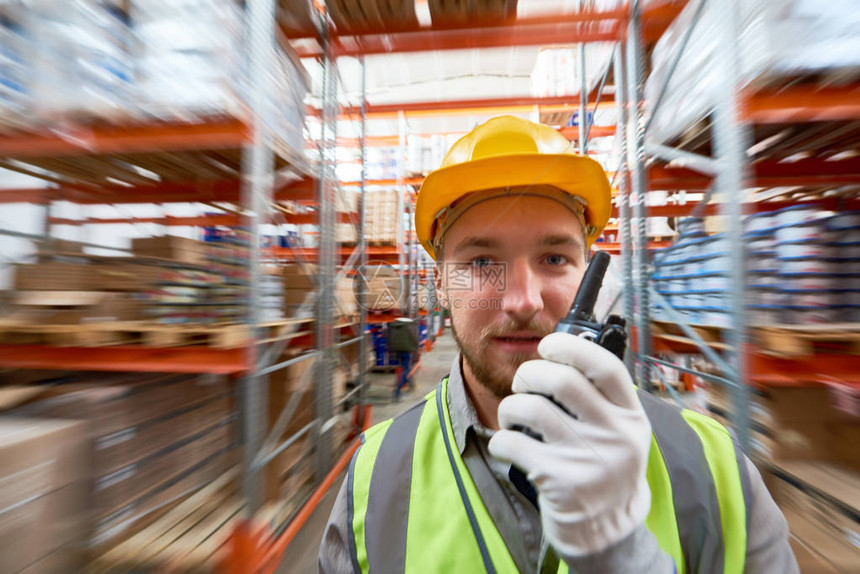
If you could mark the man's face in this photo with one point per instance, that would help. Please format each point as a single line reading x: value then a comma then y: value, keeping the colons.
x: 511, y: 268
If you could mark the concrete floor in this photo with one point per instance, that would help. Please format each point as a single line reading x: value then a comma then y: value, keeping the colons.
x: 301, y: 556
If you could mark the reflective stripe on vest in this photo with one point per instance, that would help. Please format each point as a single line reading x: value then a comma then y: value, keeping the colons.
x: 415, y: 508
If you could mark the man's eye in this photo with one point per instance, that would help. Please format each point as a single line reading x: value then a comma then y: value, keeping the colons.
x: 556, y: 259
x: 481, y: 261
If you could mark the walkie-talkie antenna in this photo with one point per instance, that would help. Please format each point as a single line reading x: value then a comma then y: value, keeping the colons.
x: 582, y: 309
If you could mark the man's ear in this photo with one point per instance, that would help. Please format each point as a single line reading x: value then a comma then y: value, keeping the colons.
x: 439, y: 280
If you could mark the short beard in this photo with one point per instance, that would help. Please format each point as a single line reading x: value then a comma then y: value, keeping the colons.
x: 487, y: 376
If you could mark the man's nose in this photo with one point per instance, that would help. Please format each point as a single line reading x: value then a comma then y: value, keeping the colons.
x: 522, y: 297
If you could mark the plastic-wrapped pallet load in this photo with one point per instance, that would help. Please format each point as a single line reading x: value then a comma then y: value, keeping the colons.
x: 190, y: 64
x: 66, y: 59
x: 16, y: 74
x: 803, y: 267
x: 556, y: 71
x: 693, y: 275
x: 115, y: 61
x: 778, y: 38
x: 189, y: 56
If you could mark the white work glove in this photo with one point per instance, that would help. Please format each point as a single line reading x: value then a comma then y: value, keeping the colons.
x: 590, y: 470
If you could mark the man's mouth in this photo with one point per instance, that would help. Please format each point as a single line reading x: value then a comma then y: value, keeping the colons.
x: 518, y: 342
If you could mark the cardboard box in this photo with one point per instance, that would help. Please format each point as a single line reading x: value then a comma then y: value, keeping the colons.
x: 43, y: 488
x: 346, y: 302
x: 137, y: 481
x: 122, y: 276
x: 803, y: 440
x: 119, y: 402
x: 800, y: 404
x: 112, y: 529
x: 170, y: 247
x: 846, y: 443
x: 75, y: 307
x: 300, y: 276
x: 55, y: 277
x: 806, y: 492
x: 345, y: 233
x: 295, y: 296
x: 845, y: 399
x: 131, y: 445
x: 283, y: 385
x: 54, y: 246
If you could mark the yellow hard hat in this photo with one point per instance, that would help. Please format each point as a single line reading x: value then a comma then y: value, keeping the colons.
x: 508, y: 152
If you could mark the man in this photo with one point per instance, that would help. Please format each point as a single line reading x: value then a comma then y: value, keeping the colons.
x: 618, y: 481
x: 403, y: 341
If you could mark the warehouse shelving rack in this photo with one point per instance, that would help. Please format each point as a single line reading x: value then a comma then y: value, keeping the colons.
x: 245, y: 156
x: 743, y: 116
x: 245, y: 555
x: 253, y: 149
x: 652, y: 21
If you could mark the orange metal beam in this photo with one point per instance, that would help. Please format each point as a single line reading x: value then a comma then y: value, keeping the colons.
x: 656, y: 18
x: 615, y: 248
x: 229, y: 133
x: 829, y: 203
x: 573, y: 18
x: 561, y: 29
x: 570, y: 132
x: 767, y: 370
x: 806, y: 172
x: 469, y: 106
x: 36, y: 196
x: 802, y: 173
x: 801, y: 104
x: 387, y: 253
x: 137, y: 359
x: 165, y: 192
x: 417, y: 180
x: 228, y: 219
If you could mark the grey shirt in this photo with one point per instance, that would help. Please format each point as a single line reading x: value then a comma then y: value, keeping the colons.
x: 519, y: 523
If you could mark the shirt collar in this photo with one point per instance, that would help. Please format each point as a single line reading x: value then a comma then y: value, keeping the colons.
x: 462, y: 411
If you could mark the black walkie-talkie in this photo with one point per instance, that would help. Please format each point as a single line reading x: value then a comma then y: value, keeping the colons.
x: 580, y: 321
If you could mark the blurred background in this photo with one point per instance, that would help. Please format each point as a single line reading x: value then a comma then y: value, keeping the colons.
x: 206, y: 235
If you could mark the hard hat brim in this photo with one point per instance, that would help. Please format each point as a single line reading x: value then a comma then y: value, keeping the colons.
x: 577, y: 175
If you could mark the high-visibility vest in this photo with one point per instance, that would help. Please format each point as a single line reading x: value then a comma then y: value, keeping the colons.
x: 414, y: 507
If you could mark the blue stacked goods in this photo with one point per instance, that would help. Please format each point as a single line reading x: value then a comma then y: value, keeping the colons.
x: 802, y: 267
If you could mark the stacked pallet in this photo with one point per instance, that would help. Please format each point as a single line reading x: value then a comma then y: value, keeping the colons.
x: 295, y: 386
x: 455, y: 12
x: 292, y: 403
x: 189, y: 536
x: 155, y: 438
x: 358, y: 15
x: 122, y: 62
x: 382, y: 217
x: 74, y: 289
x: 43, y: 495
x: 821, y: 503
x: 805, y: 441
